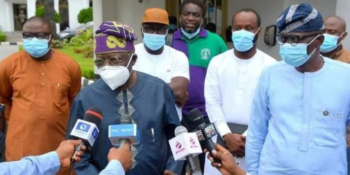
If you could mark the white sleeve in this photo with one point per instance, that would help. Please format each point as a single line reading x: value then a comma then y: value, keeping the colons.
x: 182, y: 68
x: 213, y: 100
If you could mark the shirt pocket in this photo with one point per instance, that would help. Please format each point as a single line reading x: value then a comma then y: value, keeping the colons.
x: 328, y: 127
x: 59, y: 94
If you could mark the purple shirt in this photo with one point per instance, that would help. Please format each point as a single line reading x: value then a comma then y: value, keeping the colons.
x: 200, y: 50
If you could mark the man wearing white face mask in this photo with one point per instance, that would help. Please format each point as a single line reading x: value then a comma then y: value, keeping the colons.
x: 122, y: 91
x: 335, y: 33
x: 302, y: 104
x: 159, y: 60
x: 37, y: 86
x: 231, y: 81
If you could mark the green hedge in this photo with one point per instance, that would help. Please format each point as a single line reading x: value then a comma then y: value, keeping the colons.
x: 2, y: 36
x: 40, y: 11
x: 85, y: 15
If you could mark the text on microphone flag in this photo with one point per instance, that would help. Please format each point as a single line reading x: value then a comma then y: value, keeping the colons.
x: 210, y: 131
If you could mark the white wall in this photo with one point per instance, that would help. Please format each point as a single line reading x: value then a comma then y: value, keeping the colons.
x: 343, y: 8
x: 6, y: 13
x: 75, y: 6
x: 270, y: 10
x: 129, y: 12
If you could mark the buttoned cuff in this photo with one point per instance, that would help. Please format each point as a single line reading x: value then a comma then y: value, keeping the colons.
x: 223, y: 129
x: 54, y: 163
x: 117, y: 166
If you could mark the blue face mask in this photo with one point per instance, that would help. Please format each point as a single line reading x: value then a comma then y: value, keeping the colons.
x: 295, y: 55
x: 154, y: 41
x: 243, y: 40
x: 191, y: 35
x: 330, y: 43
x: 36, y: 47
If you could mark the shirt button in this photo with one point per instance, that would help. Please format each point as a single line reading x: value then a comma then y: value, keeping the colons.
x: 42, y: 74
x: 42, y: 84
x: 325, y: 113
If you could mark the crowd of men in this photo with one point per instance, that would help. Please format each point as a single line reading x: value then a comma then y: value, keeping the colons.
x: 275, y: 118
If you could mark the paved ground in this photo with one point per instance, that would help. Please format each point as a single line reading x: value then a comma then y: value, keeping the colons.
x: 5, y: 51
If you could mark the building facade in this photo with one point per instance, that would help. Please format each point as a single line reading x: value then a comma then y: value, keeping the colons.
x: 131, y: 12
x: 15, y: 12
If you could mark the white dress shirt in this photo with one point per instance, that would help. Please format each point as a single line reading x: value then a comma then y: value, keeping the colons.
x: 230, y: 86
x: 169, y: 64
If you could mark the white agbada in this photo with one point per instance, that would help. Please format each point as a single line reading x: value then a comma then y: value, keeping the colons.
x: 229, y: 90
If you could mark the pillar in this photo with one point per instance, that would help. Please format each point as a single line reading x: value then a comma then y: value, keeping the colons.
x: 74, y: 7
x: 97, y: 16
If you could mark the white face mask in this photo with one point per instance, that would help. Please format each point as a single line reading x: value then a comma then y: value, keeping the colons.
x: 115, y: 76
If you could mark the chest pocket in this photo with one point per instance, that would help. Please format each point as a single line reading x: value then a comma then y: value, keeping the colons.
x: 59, y: 94
x: 328, y: 127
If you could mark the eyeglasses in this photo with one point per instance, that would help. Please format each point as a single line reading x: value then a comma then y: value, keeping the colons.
x: 293, y: 39
x: 112, y: 60
x: 40, y: 35
x: 155, y: 30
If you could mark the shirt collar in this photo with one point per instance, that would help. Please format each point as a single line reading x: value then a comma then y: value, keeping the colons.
x: 338, y: 54
x: 203, y: 33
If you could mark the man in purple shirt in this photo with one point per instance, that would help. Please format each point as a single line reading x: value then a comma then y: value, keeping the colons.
x: 200, y: 46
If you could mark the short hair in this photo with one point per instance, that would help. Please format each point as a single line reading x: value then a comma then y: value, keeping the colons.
x: 199, y: 3
x: 340, y: 19
x: 38, y: 18
x: 249, y: 10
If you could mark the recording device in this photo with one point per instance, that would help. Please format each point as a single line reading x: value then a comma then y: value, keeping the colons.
x: 123, y: 132
x: 206, y: 132
x: 86, y: 129
x: 185, y: 145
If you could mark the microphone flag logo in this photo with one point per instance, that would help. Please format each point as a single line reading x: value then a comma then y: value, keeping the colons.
x: 83, y: 127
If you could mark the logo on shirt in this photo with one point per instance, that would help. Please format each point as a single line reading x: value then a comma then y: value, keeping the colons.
x: 205, y: 53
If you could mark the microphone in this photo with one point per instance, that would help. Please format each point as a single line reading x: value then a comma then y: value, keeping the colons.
x: 123, y: 132
x: 192, y: 146
x: 86, y: 129
x: 185, y: 145
x: 206, y: 131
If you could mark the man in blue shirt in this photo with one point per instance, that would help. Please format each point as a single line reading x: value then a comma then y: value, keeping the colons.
x: 302, y: 104
x: 50, y: 163
x: 124, y: 92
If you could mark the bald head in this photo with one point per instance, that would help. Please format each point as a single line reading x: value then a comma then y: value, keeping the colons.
x: 335, y: 23
x: 37, y: 24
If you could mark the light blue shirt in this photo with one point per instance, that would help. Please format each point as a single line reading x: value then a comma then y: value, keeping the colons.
x: 298, y: 121
x: 49, y: 164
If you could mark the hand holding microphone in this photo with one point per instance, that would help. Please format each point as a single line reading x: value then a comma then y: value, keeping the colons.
x: 122, y: 154
x: 66, y: 149
x: 228, y: 165
x: 86, y: 129
x: 123, y: 133
x: 205, y: 132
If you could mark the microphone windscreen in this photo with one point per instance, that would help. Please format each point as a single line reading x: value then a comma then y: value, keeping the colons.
x: 179, y: 130
x: 93, y: 115
x: 196, y: 117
